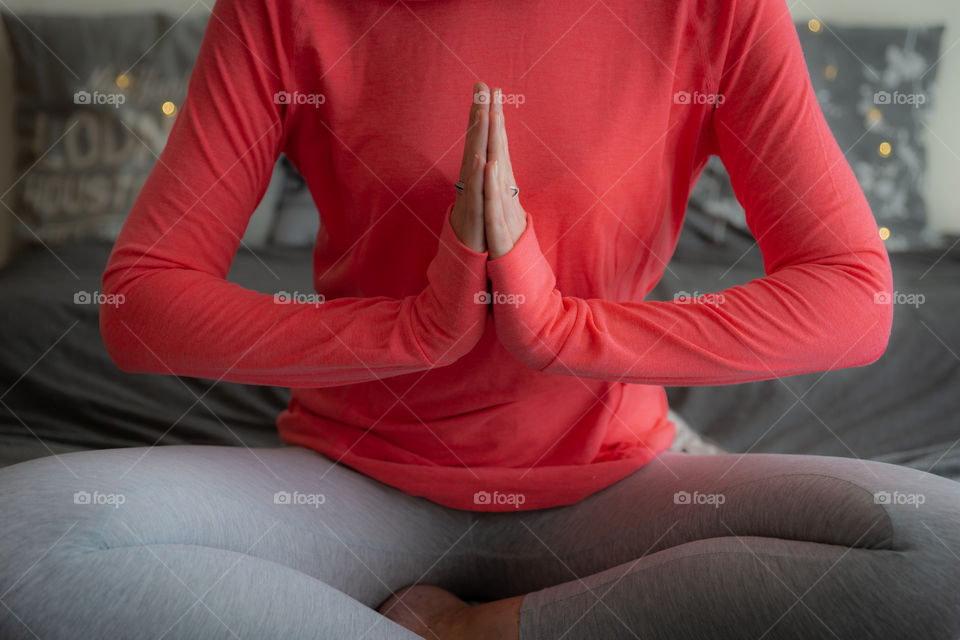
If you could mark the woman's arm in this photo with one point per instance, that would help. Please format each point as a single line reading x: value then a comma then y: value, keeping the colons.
x: 171, y: 259
x: 815, y: 309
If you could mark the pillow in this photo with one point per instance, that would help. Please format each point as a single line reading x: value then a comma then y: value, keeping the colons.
x: 94, y: 104
x: 875, y: 87
x: 96, y: 97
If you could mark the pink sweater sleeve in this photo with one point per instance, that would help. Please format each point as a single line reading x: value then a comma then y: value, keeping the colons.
x: 171, y: 259
x: 824, y: 261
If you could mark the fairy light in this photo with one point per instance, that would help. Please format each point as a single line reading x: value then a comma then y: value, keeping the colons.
x: 814, y: 25
x: 884, y: 233
x: 168, y: 108
x: 885, y: 150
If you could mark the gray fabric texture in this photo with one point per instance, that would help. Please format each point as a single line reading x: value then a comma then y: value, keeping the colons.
x: 224, y: 542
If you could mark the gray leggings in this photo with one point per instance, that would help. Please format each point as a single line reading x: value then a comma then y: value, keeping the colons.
x: 196, y: 542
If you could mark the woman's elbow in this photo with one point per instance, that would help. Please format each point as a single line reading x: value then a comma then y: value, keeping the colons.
x: 869, y: 333
x: 877, y: 338
x: 117, y: 330
x: 870, y: 297
x: 111, y: 331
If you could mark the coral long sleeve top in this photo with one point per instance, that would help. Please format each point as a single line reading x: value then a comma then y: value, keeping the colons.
x: 403, y: 373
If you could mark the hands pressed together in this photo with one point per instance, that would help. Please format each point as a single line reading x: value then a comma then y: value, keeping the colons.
x: 491, y: 235
x: 487, y: 216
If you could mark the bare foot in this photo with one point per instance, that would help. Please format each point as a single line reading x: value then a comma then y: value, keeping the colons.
x: 437, y: 614
x: 426, y: 610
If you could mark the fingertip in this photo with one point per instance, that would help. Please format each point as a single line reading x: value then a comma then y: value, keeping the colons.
x: 481, y: 95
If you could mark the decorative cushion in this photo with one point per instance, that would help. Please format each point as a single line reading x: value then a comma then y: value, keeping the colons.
x: 96, y: 97
x: 875, y: 87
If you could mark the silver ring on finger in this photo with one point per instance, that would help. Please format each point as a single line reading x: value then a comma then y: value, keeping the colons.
x: 514, y: 191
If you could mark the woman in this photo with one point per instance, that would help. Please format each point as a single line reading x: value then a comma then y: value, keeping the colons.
x: 474, y: 459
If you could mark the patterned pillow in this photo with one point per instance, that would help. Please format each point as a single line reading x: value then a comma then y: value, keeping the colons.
x: 95, y: 100
x: 875, y: 87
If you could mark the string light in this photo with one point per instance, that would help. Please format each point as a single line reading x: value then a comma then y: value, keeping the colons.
x: 168, y: 108
x: 885, y: 149
x: 123, y: 81
x: 884, y: 233
x: 814, y: 25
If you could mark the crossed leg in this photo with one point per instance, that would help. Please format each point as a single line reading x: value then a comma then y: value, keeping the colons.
x: 757, y: 546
